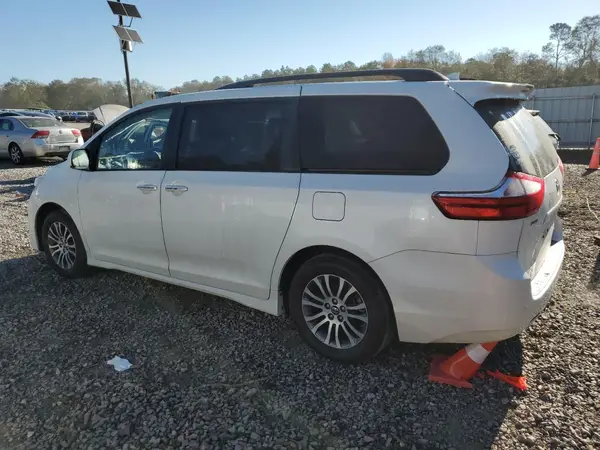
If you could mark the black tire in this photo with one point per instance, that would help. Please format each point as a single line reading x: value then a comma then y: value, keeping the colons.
x: 15, y: 154
x: 378, y: 330
x: 79, y: 268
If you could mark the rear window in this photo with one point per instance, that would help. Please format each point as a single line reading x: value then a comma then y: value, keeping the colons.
x: 40, y: 122
x: 544, y: 126
x: 369, y: 134
x: 527, y: 142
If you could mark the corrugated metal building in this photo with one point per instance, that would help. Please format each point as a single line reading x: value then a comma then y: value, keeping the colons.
x: 573, y: 112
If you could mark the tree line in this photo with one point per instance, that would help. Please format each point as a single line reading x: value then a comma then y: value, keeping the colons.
x: 570, y: 58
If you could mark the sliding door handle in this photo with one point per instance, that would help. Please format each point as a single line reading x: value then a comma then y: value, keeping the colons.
x: 176, y: 188
x: 147, y: 187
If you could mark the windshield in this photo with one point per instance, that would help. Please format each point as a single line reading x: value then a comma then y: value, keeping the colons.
x: 40, y: 122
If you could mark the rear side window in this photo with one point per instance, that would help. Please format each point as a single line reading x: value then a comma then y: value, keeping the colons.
x: 369, y: 134
x: 6, y: 125
x: 527, y: 142
x: 238, y: 136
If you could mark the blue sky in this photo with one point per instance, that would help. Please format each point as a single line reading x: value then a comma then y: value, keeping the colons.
x: 199, y: 39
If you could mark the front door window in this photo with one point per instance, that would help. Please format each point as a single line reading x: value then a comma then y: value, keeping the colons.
x: 136, y: 143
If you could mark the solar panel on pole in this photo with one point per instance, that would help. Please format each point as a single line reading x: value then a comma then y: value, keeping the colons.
x: 132, y: 11
x: 124, y: 9
x: 117, y: 8
x: 127, y: 34
x: 135, y: 36
x: 122, y: 33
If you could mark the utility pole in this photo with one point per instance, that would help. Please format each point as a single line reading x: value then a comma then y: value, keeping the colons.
x: 127, y: 79
x: 127, y: 36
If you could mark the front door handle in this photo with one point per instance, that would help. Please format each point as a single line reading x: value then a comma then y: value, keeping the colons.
x: 145, y: 188
x: 175, y: 188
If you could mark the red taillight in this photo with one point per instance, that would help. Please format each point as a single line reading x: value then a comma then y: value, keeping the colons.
x: 519, y: 196
x: 42, y: 134
x: 76, y: 133
x: 560, y: 166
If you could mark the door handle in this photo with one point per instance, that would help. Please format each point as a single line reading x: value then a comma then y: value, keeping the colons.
x: 145, y: 188
x: 175, y: 188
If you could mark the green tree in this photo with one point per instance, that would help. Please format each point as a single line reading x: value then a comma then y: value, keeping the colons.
x: 570, y: 58
x: 558, y: 48
x: 584, y: 45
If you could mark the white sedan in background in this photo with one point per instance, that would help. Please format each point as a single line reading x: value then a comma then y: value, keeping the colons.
x: 23, y: 137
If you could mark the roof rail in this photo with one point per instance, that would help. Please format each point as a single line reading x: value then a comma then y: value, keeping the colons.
x: 455, y: 76
x: 404, y: 74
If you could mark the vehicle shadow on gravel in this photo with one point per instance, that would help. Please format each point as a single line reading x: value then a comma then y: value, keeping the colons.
x: 575, y: 156
x: 206, y: 370
x: 595, y: 278
x: 21, y: 188
x: 41, y: 162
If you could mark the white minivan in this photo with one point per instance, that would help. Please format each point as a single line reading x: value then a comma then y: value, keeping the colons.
x: 418, y: 208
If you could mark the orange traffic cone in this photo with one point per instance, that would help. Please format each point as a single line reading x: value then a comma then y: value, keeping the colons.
x: 519, y: 382
x: 595, y: 160
x: 458, y: 369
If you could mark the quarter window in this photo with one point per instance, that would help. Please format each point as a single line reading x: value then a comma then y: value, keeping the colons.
x: 136, y: 143
x: 369, y: 134
x: 6, y: 125
x: 237, y: 136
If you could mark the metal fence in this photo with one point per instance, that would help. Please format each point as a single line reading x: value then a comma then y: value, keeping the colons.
x: 573, y: 112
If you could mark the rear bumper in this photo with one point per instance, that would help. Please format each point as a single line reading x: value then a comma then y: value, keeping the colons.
x: 439, y: 297
x: 39, y: 148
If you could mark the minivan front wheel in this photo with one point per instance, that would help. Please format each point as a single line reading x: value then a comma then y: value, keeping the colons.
x: 339, y: 308
x: 63, y: 246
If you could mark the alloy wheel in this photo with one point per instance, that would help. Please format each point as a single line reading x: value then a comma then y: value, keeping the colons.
x: 15, y: 154
x: 334, y: 311
x: 61, y: 244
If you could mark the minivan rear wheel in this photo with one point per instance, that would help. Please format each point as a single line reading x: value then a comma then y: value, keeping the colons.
x: 340, y: 308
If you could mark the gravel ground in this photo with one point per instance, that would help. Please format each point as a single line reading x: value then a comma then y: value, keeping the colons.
x: 208, y: 373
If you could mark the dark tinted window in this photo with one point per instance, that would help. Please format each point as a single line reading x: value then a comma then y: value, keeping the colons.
x: 530, y: 148
x: 246, y: 136
x: 369, y: 134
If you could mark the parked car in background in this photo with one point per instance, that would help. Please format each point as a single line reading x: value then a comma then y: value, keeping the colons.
x: 27, y: 113
x: 162, y: 94
x: 81, y: 116
x: 423, y: 209
x: 53, y: 113
x: 40, y: 114
x: 67, y: 116
x: 23, y: 137
x: 100, y: 117
x: 8, y: 113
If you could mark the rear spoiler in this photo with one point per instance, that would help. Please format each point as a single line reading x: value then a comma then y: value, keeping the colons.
x: 474, y: 91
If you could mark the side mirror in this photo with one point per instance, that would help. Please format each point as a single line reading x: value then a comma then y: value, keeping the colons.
x: 80, y: 159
